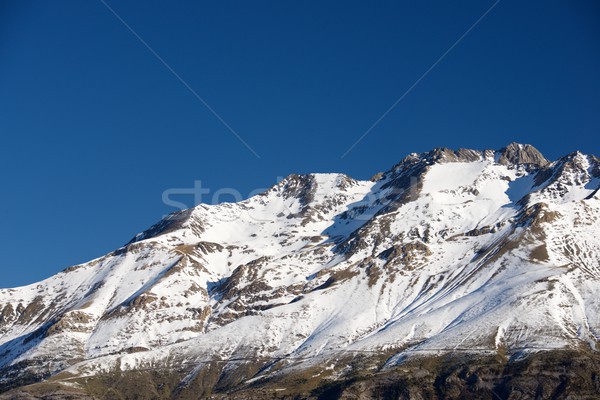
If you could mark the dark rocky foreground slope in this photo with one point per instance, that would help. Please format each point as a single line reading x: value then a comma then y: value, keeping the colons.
x: 545, y: 375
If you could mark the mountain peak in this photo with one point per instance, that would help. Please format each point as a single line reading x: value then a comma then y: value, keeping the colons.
x: 521, y: 154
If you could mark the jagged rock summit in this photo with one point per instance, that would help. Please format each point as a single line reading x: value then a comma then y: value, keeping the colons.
x: 521, y: 154
x: 485, y: 259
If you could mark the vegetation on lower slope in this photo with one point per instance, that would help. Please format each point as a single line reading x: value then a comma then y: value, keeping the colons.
x: 562, y: 374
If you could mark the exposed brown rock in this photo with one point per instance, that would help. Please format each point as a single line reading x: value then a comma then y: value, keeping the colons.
x: 521, y: 154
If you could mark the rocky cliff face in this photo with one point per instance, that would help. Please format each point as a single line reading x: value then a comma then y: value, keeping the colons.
x: 493, y: 255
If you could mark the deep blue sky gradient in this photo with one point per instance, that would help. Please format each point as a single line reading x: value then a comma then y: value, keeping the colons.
x: 94, y: 128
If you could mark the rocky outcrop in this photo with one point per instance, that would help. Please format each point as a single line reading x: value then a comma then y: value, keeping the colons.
x: 521, y: 154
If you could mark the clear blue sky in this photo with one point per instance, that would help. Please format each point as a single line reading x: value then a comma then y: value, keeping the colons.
x: 94, y: 127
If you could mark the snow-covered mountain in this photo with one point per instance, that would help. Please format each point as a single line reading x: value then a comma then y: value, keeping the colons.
x: 485, y: 253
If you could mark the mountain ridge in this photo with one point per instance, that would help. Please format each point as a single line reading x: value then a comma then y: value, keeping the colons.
x: 491, y: 252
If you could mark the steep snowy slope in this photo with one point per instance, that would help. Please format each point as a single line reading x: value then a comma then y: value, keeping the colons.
x: 474, y: 251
